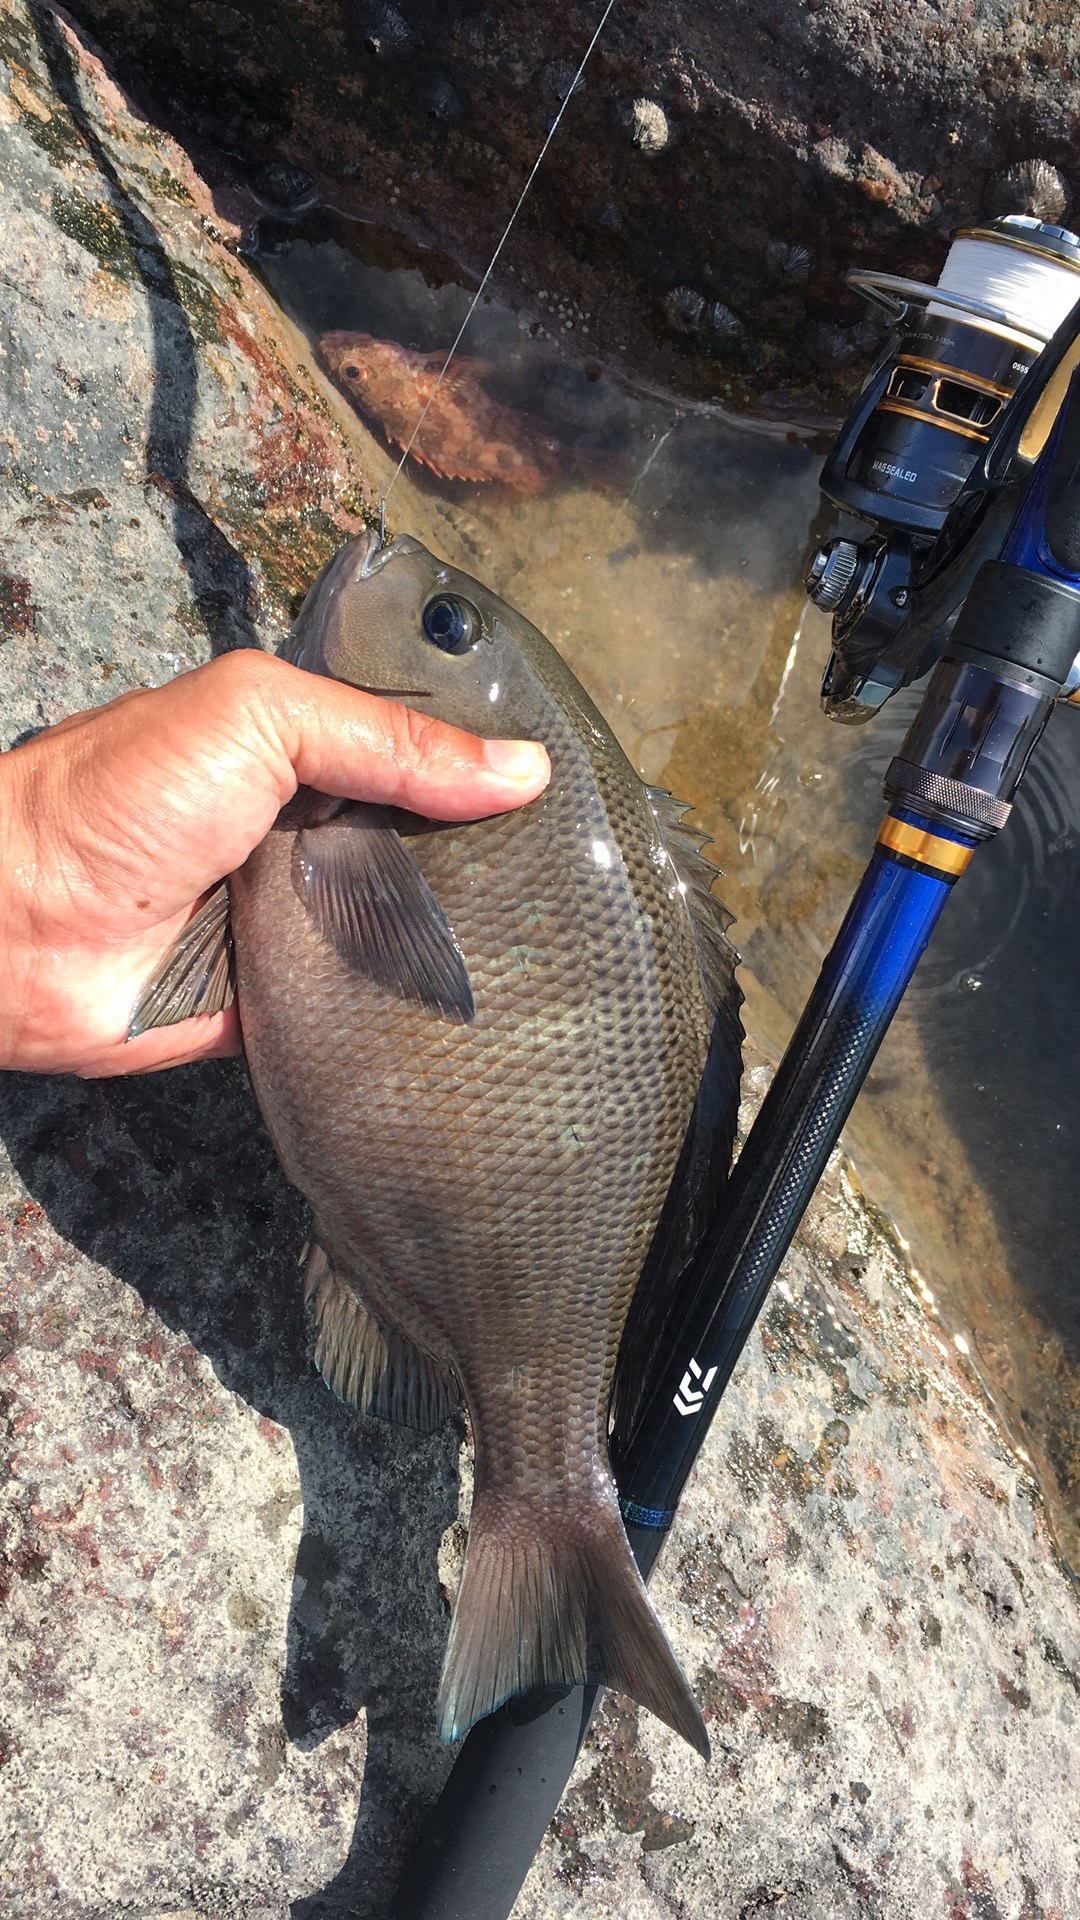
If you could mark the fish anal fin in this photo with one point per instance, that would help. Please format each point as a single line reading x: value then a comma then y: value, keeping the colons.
x: 367, y: 1363
x: 369, y: 899
x: 556, y: 1600
x: 455, y: 470
x: 197, y: 974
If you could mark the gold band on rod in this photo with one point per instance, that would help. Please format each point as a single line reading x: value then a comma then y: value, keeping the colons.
x: 945, y: 857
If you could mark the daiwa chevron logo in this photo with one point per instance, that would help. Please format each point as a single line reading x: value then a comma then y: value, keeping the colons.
x: 692, y: 1389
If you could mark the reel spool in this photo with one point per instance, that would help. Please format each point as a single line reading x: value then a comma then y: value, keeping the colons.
x: 923, y: 420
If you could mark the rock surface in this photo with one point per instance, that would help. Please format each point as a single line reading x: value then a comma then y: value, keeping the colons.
x: 852, y: 1598
x: 222, y: 1615
x: 703, y: 146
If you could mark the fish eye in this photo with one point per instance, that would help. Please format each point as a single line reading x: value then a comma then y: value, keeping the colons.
x: 451, y: 624
x: 351, y: 373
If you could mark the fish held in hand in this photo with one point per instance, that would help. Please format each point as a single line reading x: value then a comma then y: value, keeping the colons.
x: 500, y: 1058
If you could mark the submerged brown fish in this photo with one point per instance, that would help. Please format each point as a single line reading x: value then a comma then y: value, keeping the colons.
x: 479, y: 1049
x: 465, y: 433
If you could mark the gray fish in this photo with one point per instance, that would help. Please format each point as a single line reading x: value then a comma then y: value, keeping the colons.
x: 488, y: 1054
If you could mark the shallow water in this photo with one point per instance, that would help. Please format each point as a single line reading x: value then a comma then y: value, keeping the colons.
x: 666, y: 566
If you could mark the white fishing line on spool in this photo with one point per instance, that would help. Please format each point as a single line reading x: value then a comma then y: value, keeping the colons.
x: 475, y: 301
x: 1034, y: 290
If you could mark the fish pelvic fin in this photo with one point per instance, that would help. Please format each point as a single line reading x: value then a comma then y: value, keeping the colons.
x: 197, y: 975
x: 367, y: 1363
x: 556, y: 1601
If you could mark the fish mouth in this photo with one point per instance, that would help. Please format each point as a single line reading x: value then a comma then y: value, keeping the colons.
x: 396, y: 693
x: 372, y: 553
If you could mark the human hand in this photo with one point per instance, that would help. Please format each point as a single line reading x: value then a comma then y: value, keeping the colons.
x: 114, y: 824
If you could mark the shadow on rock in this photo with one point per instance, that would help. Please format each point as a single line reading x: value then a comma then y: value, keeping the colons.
x: 219, y: 578
x: 170, y: 1183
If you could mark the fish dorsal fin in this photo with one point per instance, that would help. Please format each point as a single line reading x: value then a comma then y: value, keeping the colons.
x: 463, y: 372
x: 709, y: 917
x: 368, y: 897
x: 366, y: 1362
x: 197, y: 974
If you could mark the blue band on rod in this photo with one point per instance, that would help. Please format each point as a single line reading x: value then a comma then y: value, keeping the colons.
x: 636, y: 1516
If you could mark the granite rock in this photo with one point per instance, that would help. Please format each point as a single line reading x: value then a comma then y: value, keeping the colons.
x: 222, y: 1594
x: 862, y: 133
x: 852, y: 1585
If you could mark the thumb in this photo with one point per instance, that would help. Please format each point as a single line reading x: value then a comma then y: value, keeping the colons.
x: 134, y: 809
x: 362, y: 746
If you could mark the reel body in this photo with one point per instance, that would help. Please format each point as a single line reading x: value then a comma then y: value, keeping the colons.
x: 968, y: 364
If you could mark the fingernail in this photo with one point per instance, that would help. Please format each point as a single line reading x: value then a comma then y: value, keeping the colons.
x: 518, y: 760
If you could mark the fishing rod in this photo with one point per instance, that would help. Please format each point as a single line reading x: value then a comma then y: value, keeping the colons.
x: 962, y: 459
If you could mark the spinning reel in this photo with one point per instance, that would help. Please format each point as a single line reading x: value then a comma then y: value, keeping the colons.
x: 939, y: 447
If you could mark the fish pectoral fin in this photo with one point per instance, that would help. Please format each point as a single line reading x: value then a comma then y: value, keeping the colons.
x: 197, y: 974
x: 369, y: 1364
x: 369, y: 899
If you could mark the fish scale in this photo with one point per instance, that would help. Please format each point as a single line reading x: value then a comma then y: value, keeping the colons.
x: 487, y: 1135
x: 480, y: 1100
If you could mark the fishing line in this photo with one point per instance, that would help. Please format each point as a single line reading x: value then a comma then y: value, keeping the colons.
x: 475, y: 301
x: 661, y: 443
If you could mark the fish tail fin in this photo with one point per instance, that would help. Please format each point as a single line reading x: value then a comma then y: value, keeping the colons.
x: 556, y: 1602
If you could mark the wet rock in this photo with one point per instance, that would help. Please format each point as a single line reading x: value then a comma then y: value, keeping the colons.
x: 285, y: 186
x: 1032, y: 186
x: 862, y: 135
x: 786, y: 129
x: 221, y: 1615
